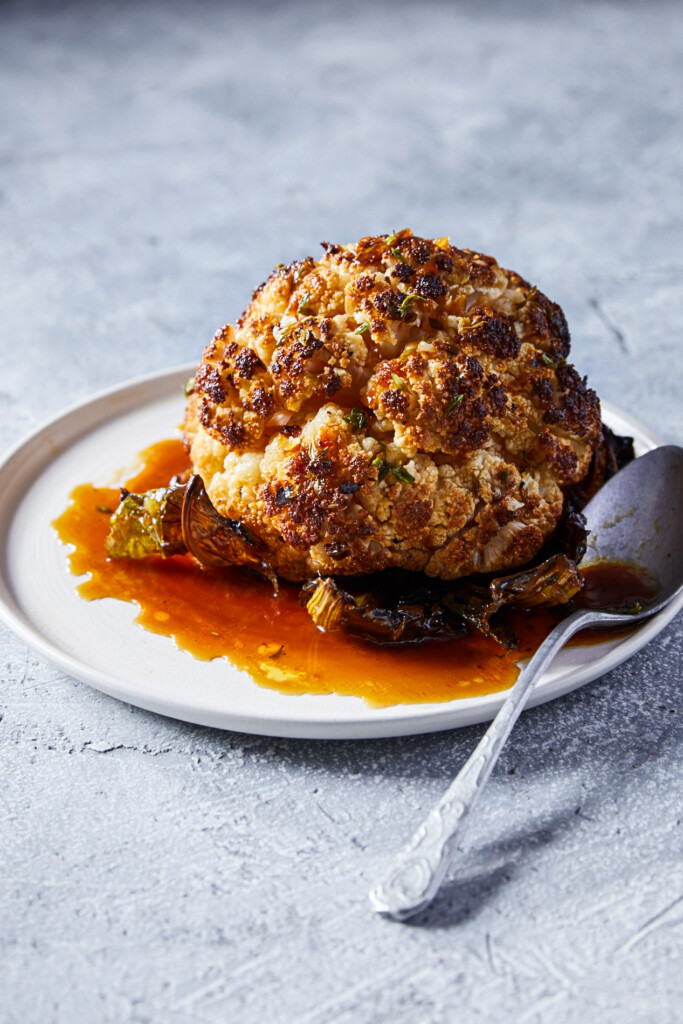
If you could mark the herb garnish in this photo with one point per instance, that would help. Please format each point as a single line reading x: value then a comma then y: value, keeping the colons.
x: 363, y: 328
x: 189, y: 387
x: 404, y: 308
x: 384, y: 467
x: 356, y: 418
x: 554, y: 362
x: 280, y: 333
x: 455, y: 403
x: 304, y: 302
x: 402, y: 474
x: 399, y: 255
x: 399, y: 382
x: 474, y: 325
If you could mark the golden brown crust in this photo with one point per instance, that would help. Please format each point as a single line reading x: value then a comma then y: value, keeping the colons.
x: 472, y: 420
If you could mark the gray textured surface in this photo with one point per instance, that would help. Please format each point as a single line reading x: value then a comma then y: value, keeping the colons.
x: 155, y: 161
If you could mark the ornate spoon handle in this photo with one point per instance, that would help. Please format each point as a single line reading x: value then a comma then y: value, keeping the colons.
x: 420, y: 867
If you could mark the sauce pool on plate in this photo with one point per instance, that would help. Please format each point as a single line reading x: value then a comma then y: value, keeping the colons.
x: 213, y: 613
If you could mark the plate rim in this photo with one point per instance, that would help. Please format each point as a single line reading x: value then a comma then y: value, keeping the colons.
x: 396, y: 720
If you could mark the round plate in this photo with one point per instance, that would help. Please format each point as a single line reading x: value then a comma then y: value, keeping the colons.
x: 98, y: 642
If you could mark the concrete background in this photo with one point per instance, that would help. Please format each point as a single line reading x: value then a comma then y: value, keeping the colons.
x: 155, y: 161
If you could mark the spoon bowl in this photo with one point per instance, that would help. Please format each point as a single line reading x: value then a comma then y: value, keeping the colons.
x: 637, y: 519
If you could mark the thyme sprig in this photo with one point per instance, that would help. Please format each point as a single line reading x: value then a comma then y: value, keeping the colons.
x: 403, y: 475
x: 404, y: 308
x: 553, y: 361
x: 304, y: 302
x: 473, y: 326
x: 384, y: 467
x: 529, y: 298
x: 356, y: 418
x: 281, y: 333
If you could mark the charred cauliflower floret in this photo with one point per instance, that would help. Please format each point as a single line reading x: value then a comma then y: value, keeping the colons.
x: 398, y: 403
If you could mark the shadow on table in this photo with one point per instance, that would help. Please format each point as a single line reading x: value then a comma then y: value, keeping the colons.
x: 486, y: 869
x: 587, y: 742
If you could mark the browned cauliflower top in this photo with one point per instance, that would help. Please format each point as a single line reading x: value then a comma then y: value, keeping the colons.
x: 399, y: 402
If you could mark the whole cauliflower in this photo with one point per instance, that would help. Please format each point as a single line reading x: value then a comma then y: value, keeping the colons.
x: 398, y: 403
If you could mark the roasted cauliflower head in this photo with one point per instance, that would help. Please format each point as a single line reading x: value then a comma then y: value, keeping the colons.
x: 398, y: 403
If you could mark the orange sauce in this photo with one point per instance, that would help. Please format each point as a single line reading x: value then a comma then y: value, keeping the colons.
x: 613, y: 585
x: 213, y: 613
x: 610, y: 585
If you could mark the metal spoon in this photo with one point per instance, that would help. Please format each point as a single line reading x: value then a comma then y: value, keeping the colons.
x: 635, y: 519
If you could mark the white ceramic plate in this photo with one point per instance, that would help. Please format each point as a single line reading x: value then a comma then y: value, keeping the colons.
x: 98, y: 642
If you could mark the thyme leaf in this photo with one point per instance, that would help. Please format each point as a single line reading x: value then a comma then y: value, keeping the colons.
x: 356, y: 418
x: 300, y: 271
x: 281, y: 333
x: 404, y: 308
x: 363, y: 328
x: 455, y: 403
x: 399, y: 255
x: 189, y: 387
x: 402, y: 474
x: 384, y: 467
x: 304, y: 302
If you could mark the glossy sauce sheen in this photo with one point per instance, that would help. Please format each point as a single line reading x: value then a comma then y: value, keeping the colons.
x: 609, y: 585
x: 215, y: 613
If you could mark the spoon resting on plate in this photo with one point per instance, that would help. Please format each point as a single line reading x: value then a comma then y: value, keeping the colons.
x: 634, y: 520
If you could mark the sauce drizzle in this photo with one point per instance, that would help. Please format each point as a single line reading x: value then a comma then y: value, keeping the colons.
x: 213, y: 613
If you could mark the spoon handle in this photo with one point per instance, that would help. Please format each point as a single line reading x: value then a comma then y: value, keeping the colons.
x: 420, y: 867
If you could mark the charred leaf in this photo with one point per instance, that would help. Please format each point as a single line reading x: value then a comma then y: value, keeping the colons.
x: 147, y: 524
x: 334, y: 608
x: 180, y: 519
x: 397, y: 609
